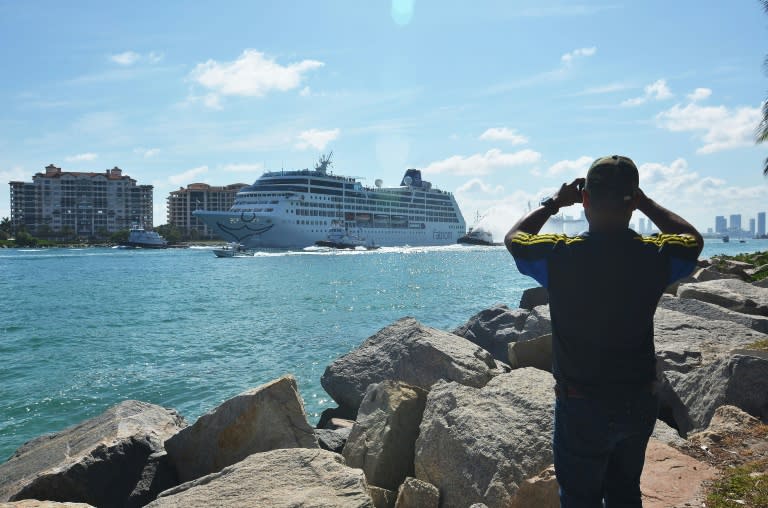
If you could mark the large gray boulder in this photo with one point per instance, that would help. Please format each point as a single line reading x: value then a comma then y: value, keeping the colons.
x: 479, y: 444
x: 99, y: 461
x: 541, y: 491
x: 732, y: 294
x: 410, y: 352
x: 531, y: 353
x: 34, y: 503
x: 685, y: 334
x: 740, y: 380
x: 534, y: 297
x: 285, y: 478
x: 414, y: 493
x: 382, y: 441
x: 265, y: 418
x: 711, y: 311
x: 494, y: 329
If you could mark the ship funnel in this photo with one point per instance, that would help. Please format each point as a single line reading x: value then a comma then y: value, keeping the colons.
x: 378, y: 183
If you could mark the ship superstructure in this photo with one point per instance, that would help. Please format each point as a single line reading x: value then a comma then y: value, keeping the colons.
x: 294, y: 209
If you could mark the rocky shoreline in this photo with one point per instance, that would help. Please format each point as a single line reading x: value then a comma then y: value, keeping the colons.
x: 425, y: 417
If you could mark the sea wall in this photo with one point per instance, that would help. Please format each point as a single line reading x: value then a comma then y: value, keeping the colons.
x: 425, y: 417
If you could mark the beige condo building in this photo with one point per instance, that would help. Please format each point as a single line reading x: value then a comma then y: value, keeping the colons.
x: 79, y: 203
x: 199, y: 196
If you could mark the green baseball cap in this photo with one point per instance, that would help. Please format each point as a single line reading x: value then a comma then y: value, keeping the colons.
x: 613, y: 178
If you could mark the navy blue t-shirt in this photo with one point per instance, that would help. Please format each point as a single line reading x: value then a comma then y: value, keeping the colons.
x: 603, y: 292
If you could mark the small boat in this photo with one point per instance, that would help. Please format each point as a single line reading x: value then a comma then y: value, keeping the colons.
x: 138, y: 237
x: 340, y: 238
x: 726, y: 239
x: 477, y: 237
x: 232, y: 250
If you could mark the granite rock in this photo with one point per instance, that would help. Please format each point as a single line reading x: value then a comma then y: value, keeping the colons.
x: 410, y: 352
x: 494, y: 328
x: 382, y: 498
x: 711, y: 311
x: 740, y: 381
x: 534, y: 297
x: 535, y: 353
x: 265, y: 418
x: 478, y: 444
x: 382, y: 441
x: 98, y: 462
x: 732, y: 294
x: 284, y: 478
x: 541, y: 491
x: 414, y: 493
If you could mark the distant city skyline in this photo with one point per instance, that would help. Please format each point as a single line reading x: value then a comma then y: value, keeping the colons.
x: 734, y: 223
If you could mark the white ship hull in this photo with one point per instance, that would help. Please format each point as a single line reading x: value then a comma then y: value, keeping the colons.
x: 295, y: 209
x: 275, y: 232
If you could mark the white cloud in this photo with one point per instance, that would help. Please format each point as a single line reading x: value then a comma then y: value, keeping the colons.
x: 603, y: 89
x: 721, y: 128
x: 483, y: 163
x: 317, y: 139
x: 305, y: 92
x: 188, y: 176
x: 128, y: 58
x: 154, y: 57
x: 251, y: 75
x: 212, y: 101
x: 89, y: 156
x: 576, y: 167
x: 476, y: 185
x: 504, y: 134
x: 697, y: 198
x: 243, y: 168
x: 699, y: 94
x: 657, y: 91
x: 146, y: 152
x: 569, y: 58
x: 563, y: 71
x: 125, y: 58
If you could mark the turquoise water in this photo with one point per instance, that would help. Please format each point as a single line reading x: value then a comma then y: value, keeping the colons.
x: 81, y: 329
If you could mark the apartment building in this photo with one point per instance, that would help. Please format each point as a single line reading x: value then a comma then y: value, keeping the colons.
x: 183, y: 202
x: 83, y: 204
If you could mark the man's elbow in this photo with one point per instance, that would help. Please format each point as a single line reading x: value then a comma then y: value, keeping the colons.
x: 509, y: 239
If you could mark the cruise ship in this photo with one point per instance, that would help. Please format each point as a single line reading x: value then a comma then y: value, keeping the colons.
x: 295, y: 209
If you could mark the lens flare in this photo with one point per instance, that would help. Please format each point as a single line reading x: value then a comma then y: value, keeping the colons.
x: 402, y: 11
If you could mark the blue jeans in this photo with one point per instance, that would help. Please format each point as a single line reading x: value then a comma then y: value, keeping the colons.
x: 599, y: 447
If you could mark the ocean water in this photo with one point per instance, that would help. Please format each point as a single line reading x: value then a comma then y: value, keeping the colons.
x: 82, y: 329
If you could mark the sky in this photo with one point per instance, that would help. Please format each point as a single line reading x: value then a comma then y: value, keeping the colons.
x: 498, y: 102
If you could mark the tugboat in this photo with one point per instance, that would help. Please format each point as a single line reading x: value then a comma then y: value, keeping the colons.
x: 138, y: 237
x: 340, y: 238
x: 477, y: 236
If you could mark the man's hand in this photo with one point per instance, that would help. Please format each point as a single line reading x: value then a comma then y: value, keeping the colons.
x: 665, y: 220
x: 569, y: 193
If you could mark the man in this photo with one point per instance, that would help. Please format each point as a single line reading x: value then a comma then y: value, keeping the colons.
x: 604, y: 286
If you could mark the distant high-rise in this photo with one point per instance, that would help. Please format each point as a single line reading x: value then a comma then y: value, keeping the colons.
x: 720, y: 225
x: 83, y: 204
x: 642, y: 225
x: 761, y: 224
x: 752, y: 227
x: 735, y: 223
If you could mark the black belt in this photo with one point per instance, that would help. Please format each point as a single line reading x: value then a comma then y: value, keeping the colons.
x: 583, y: 392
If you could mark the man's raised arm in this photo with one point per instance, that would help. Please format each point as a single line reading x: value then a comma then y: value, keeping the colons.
x: 667, y: 221
x: 534, y: 220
